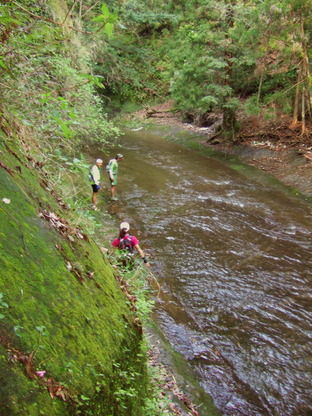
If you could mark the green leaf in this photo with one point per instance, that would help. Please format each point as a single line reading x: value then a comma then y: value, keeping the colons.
x: 105, y: 10
x: 114, y: 16
x: 17, y: 327
x: 40, y: 328
x: 99, y: 18
x: 84, y: 398
x: 108, y: 28
x: 67, y: 132
x: 3, y: 65
x: 94, y: 79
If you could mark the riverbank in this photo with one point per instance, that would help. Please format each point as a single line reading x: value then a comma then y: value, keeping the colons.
x: 275, y: 147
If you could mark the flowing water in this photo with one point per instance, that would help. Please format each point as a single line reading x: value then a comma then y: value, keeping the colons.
x: 233, y: 257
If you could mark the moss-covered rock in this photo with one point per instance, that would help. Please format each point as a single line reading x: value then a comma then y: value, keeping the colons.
x: 62, y: 309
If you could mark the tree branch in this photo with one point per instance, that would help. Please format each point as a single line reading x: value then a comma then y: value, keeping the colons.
x: 50, y: 20
x: 69, y: 11
x: 90, y: 8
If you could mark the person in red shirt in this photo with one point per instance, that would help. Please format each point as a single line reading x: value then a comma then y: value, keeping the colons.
x: 128, y: 243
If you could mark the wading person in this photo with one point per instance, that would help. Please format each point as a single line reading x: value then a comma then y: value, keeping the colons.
x: 126, y: 243
x: 94, y: 177
x: 112, y: 169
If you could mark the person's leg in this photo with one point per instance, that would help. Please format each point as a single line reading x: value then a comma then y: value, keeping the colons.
x: 95, y: 189
x: 113, y: 191
x: 113, y: 187
x: 94, y: 198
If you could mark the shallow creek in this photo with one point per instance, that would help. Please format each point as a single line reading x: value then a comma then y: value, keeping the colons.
x: 232, y: 252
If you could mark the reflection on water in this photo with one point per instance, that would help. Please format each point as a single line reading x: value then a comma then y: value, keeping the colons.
x: 233, y: 255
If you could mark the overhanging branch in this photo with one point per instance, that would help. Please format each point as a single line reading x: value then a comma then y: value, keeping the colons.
x: 50, y: 20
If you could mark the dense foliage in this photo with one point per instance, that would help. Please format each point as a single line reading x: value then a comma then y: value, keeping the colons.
x: 207, y: 55
x: 47, y: 84
x: 70, y: 344
x: 63, y: 61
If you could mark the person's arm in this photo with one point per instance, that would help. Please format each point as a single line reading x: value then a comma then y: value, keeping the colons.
x: 141, y: 252
x: 115, y: 245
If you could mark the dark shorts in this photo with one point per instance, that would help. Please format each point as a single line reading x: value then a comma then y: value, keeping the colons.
x: 96, y: 188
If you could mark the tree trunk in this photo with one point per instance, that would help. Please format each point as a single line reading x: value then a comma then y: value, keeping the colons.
x: 259, y: 89
x: 296, y: 102
x: 306, y: 76
x: 306, y: 69
x: 303, y: 125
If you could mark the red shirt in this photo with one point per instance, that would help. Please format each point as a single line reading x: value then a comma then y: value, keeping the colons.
x: 134, y: 241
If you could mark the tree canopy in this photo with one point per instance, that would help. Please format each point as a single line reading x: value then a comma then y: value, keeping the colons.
x: 71, y: 62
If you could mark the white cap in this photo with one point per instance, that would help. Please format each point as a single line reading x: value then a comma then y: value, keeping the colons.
x: 125, y: 226
x: 99, y: 161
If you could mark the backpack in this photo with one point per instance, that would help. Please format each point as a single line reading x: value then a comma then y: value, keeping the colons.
x: 126, y: 244
x: 90, y: 177
x: 108, y: 166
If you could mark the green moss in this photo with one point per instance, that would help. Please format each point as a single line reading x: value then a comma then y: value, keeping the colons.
x: 22, y: 396
x: 81, y: 332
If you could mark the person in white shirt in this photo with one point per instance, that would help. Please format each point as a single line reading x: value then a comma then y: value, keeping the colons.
x: 95, y: 176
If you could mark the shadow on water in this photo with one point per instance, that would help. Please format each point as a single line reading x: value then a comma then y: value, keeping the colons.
x: 232, y: 251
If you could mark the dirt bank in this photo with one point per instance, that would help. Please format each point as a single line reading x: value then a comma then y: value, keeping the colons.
x: 276, y: 147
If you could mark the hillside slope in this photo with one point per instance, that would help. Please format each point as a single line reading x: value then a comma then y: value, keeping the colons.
x: 62, y: 312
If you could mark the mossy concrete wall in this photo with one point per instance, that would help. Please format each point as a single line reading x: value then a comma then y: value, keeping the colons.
x: 61, y: 308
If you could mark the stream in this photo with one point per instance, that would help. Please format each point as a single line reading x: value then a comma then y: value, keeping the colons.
x: 232, y: 254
